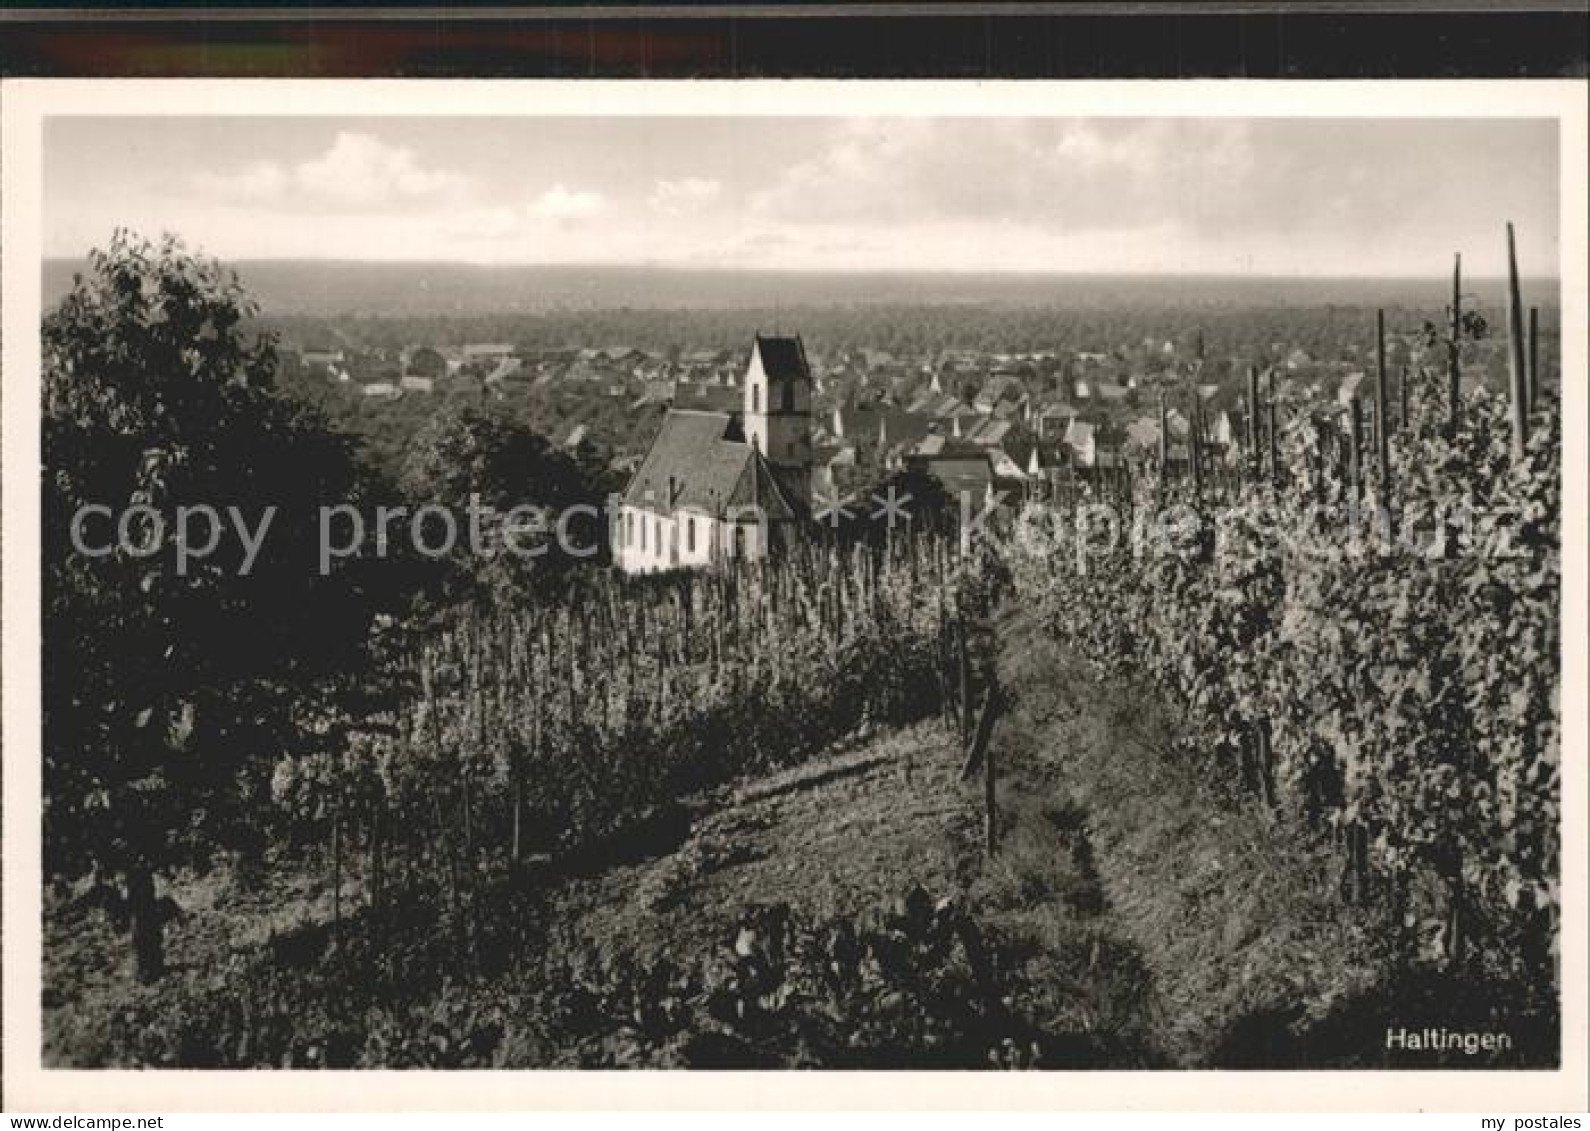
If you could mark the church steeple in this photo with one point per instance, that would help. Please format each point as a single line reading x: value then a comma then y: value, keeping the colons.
x: 778, y: 410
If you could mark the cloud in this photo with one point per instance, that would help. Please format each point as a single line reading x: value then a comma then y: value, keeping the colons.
x: 560, y: 205
x: 676, y: 198
x: 1174, y: 194
x: 1069, y: 174
x: 359, y: 170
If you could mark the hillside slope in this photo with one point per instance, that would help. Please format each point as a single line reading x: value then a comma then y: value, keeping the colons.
x: 1254, y: 958
x: 1131, y: 918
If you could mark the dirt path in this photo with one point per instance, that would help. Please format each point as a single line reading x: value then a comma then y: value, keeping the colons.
x: 840, y: 833
x: 1236, y: 920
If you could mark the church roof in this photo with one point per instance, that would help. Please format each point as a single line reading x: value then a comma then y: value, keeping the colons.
x: 694, y: 463
x: 783, y: 358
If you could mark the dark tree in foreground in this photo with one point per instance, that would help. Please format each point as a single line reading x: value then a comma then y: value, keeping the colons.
x: 170, y: 679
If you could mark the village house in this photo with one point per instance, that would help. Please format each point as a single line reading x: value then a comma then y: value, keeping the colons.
x: 1052, y: 418
x: 1094, y: 446
x: 964, y: 470
x: 717, y: 486
x: 327, y: 359
x: 989, y: 433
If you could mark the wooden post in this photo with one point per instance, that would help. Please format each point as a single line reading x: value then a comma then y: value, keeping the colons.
x: 1534, y: 357
x: 1275, y: 440
x: 145, y: 922
x: 977, y: 746
x: 1402, y: 393
x: 1454, y: 371
x: 516, y: 853
x: 1357, y: 863
x: 1253, y: 420
x: 1194, y: 456
x: 1382, y: 409
x: 1355, y: 446
x: 1518, y: 377
x: 1266, y: 767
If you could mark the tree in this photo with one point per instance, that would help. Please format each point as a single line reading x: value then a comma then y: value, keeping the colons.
x: 479, y: 455
x: 172, y: 676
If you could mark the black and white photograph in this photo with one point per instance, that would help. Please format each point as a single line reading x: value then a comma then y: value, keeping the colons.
x: 792, y: 583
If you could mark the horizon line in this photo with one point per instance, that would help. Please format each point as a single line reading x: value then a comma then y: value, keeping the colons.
x: 1078, y: 273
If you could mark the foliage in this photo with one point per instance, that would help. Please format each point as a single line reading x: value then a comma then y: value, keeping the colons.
x: 167, y: 681
x: 915, y: 982
x: 477, y: 458
x: 1393, y: 686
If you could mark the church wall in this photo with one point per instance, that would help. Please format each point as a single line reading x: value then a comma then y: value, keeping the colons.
x: 668, y: 543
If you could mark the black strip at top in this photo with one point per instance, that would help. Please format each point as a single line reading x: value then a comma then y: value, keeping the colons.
x: 1229, y: 40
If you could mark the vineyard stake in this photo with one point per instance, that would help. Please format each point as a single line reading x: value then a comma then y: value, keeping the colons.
x: 977, y: 745
x: 1355, y: 447
x: 1534, y: 356
x: 1266, y: 766
x: 1455, y: 372
x: 1402, y: 395
x: 1253, y: 420
x: 1382, y: 431
x: 1275, y: 441
x: 1515, y: 354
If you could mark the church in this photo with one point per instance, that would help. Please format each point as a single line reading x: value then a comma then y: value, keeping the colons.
x: 722, y: 486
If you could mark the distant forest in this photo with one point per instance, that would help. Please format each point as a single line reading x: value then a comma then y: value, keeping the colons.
x: 1244, y: 334
x: 289, y: 287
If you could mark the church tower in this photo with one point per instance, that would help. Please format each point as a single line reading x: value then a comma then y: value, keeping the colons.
x: 778, y: 411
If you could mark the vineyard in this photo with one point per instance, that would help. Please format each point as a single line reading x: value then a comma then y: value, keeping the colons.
x: 1359, y: 621
x: 518, y: 749
x: 566, y: 730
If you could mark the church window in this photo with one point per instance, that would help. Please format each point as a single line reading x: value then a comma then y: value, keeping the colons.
x: 642, y: 533
x: 756, y: 397
x: 690, y: 535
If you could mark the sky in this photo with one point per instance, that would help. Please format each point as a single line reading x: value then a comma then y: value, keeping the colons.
x: 1065, y: 195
